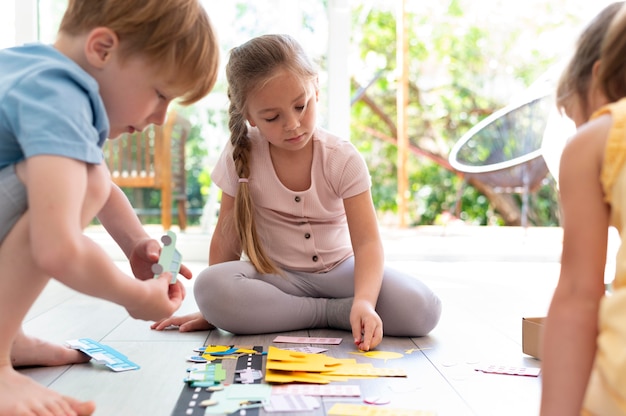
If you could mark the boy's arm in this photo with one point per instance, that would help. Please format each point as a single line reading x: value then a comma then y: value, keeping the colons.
x: 64, y: 196
x: 367, y: 327
x: 119, y: 219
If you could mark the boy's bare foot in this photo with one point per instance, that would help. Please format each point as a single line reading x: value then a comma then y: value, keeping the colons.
x: 30, y: 351
x: 20, y: 395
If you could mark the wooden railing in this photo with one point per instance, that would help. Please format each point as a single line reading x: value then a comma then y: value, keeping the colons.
x: 154, y: 158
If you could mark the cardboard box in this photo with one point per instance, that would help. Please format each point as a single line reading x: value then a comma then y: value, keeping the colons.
x: 532, y: 334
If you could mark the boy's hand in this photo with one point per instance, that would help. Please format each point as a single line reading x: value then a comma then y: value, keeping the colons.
x: 144, y: 255
x: 158, y: 300
x: 367, y: 327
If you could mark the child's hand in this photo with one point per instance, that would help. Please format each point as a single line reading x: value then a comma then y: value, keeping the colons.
x: 186, y: 323
x: 145, y: 253
x: 367, y: 327
x: 158, y: 300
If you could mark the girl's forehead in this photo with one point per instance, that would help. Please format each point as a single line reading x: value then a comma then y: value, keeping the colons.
x: 285, y: 83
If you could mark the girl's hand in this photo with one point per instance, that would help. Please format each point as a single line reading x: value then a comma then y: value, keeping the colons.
x: 186, y: 323
x: 158, y: 298
x: 367, y: 327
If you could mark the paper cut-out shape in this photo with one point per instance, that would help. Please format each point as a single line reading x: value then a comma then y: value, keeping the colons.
x: 509, y: 370
x: 377, y: 400
x: 285, y: 366
x: 412, y: 350
x: 239, y: 396
x: 284, y: 403
x: 307, y: 349
x: 103, y: 354
x: 208, y: 375
x: 327, y: 390
x: 345, y: 409
x: 170, y: 259
x: 307, y: 340
x: 382, y: 355
x: 210, y: 352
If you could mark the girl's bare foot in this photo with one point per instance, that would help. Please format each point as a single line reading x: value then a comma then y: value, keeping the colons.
x: 29, y: 351
x: 20, y: 395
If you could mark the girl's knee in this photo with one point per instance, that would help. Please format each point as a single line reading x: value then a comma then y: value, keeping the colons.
x: 430, y: 316
x: 204, y: 285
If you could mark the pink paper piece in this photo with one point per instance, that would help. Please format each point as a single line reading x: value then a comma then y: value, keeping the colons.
x: 307, y: 340
x: 509, y: 370
x: 337, y: 390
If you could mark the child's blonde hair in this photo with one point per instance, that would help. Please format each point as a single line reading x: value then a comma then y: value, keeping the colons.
x: 249, y: 68
x: 612, y: 74
x: 576, y: 78
x: 174, y: 35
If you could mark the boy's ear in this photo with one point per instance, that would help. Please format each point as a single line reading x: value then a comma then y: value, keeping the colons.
x: 100, y: 44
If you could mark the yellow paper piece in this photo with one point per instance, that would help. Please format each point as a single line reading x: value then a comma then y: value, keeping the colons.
x: 345, y: 409
x: 363, y: 370
x: 412, y: 350
x: 295, y: 377
x: 285, y: 366
x: 383, y: 355
x: 216, y: 348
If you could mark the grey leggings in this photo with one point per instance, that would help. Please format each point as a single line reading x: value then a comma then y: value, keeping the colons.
x: 234, y: 297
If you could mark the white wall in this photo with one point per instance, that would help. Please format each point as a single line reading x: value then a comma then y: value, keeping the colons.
x: 18, y: 22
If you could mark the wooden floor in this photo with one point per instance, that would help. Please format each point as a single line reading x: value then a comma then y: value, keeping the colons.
x: 488, y: 279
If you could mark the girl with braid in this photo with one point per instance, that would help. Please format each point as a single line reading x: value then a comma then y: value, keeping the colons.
x: 296, y: 244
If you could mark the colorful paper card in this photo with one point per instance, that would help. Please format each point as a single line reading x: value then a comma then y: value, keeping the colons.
x: 291, y: 404
x: 307, y: 340
x: 345, y: 409
x: 328, y: 390
x: 509, y: 370
x: 236, y: 397
x: 103, y: 354
x: 285, y: 366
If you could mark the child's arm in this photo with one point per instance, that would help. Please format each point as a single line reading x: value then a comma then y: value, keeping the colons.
x: 224, y: 247
x: 367, y: 327
x: 571, y: 327
x: 224, y: 242
x: 119, y: 219
x: 64, y: 196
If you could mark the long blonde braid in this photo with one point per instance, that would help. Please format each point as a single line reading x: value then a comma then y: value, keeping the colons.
x: 249, y: 68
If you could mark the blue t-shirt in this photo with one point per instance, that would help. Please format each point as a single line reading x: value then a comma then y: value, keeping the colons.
x: 48, y: 105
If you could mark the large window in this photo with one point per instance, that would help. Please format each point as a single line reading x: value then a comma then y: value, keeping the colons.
x: 7, y: 24
x: 50, y: 13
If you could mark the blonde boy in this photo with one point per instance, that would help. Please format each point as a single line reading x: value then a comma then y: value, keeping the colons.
x: 114, y: 68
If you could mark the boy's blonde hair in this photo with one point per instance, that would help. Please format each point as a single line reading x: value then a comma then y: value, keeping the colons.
x: 250, y: 67
x: 576, y: 78
x: 174, y: 35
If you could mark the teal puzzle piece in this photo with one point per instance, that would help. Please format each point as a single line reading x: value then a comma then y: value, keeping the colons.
x: 170, y: 259
x: 103, y: 354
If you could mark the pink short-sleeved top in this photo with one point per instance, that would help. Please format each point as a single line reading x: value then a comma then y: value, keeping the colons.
x: 302, y: 231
